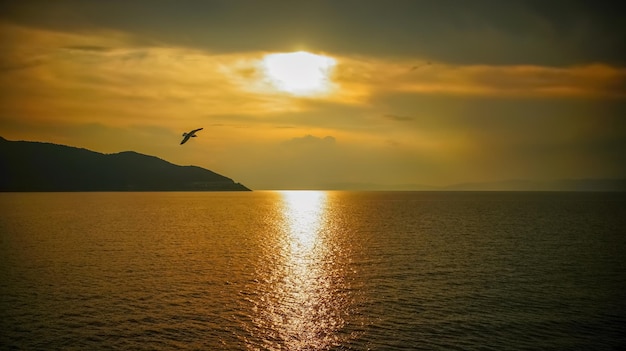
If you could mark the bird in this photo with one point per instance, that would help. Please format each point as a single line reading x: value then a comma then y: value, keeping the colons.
x: 191, y: 134
x: 418, y: 66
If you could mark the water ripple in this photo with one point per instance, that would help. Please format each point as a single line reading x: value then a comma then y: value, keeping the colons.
x: 312, y: 271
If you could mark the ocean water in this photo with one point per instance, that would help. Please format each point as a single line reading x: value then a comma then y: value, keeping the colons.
x: 309, y: 270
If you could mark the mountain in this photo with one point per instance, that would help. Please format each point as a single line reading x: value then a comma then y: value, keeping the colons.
x: 376, y: 187
x: 618, y: 184
x: 554, y: 185
x: 36, y: 166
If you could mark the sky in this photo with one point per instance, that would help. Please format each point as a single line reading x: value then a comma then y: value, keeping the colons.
x: 324, y: 94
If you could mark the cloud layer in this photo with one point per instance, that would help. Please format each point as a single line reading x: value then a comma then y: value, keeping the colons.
x: 481, y: 97
x: 490, y: 32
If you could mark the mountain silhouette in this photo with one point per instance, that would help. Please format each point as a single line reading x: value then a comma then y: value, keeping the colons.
x: 37, y: 166
x: 591, y: 184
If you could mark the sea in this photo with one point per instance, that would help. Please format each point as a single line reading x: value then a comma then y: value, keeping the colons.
x: 313, y: 270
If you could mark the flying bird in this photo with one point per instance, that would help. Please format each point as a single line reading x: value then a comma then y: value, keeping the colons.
x: 191, y: 134
x: 418, y: 66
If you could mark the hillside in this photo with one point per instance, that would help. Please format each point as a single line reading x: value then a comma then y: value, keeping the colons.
x: 555, y: 185
x: 36, y: 166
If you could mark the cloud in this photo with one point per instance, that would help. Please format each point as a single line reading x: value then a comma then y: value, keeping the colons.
x: 366, y: 78
x: 593, y: 81
x: 105, y: 76
x: 88, y: 48
x: 399, y: 118
x: 383, y: 124
x: 21, y: 64
x: 114, y: 81
x: 310, y: 140
x: 518, y: 32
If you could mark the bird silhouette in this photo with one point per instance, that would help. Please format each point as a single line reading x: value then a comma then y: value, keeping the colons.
x: 418, y: 66
x: 191, y: 134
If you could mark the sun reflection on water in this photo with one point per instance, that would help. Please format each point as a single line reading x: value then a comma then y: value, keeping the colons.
x: 302, y: 304
x: 304, y: 212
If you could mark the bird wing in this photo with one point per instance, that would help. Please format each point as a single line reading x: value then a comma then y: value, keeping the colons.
x: 195, y: 130
x: 185, y: 138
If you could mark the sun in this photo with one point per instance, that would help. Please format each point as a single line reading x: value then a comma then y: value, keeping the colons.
x: 299, y: 73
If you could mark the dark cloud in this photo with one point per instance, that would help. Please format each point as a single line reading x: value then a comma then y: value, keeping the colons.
x: 555, y: 32
x: 88, y: 48
x: 8, y: 65
x: 398, y: 118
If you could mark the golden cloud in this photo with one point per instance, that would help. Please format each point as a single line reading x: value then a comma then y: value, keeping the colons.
x: 109, y: 76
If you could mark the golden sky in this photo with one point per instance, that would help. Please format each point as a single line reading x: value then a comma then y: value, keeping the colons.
x: 325, y: 94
